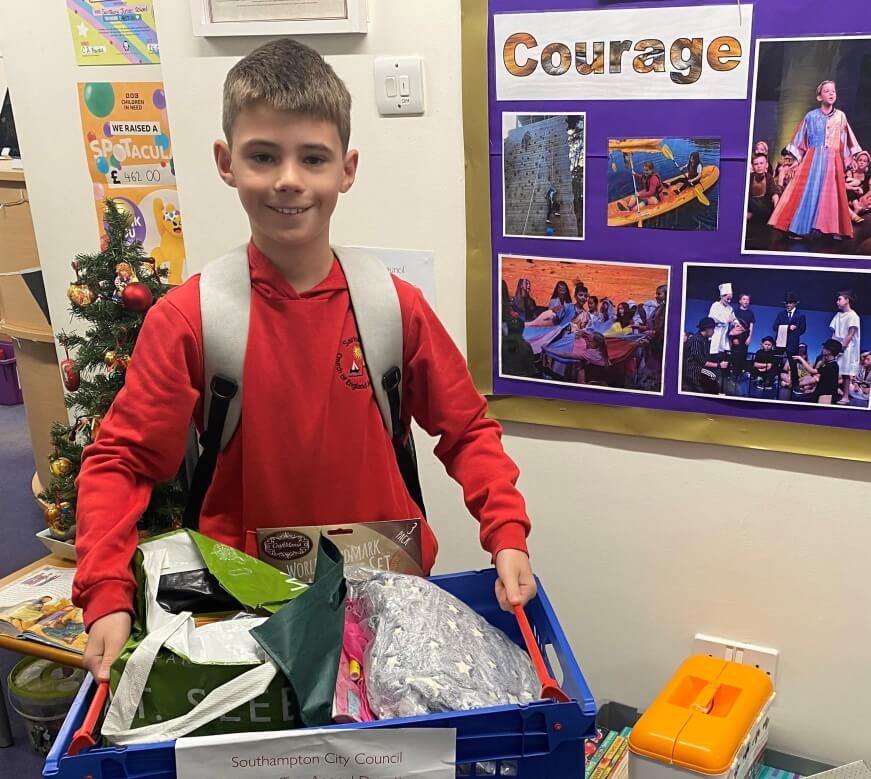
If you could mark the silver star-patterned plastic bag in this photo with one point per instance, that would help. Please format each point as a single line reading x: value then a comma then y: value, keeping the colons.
x: 431, y: 652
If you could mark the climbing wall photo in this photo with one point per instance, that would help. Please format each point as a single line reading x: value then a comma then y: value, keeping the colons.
x: 543, y: 175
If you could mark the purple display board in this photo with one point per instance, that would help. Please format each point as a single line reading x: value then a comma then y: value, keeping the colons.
x: 720, y: 242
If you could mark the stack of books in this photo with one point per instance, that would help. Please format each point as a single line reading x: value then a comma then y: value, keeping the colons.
x: 608, y: 755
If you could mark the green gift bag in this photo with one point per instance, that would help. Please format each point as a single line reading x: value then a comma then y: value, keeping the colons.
x: 250, y: 673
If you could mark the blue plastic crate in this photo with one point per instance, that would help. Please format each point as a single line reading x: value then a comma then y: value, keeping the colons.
x: 542, y: 739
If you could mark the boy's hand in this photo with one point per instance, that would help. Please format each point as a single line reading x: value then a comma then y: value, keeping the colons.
x: 106, y: 639
x: 516, y: 584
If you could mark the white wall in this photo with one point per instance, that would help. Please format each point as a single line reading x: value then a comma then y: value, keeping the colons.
x: 2, y: 77
x: 639, y: 543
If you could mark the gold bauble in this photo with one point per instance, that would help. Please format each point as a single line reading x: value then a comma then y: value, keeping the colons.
x: 51, y: 514
x: 80, y: 294
x: 62, y: 466
x: 110, y: 358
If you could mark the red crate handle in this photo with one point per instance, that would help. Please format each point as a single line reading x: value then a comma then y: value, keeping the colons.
x: 549, y: 686
x: 83, y: 738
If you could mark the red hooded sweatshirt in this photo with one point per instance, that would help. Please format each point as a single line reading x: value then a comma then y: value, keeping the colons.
x: 311, y: 447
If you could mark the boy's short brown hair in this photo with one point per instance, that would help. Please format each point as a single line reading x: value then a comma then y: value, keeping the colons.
x: 288, y: 76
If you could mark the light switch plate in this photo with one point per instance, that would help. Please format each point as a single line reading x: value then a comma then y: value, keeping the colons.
x: 388, y: 97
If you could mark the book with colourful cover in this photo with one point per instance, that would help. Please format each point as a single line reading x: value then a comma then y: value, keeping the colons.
x: 599, y: 753
x: 618, y: 745
x: 37, y: 607
x: 619, y: 768
x: 591, y: 744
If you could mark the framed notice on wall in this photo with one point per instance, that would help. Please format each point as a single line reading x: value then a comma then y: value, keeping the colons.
x: 278, y: 17
x: 669, y: 207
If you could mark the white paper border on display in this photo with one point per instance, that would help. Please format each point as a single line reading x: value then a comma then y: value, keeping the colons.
x: 665, y: 24
x: 770, y: 252
x: 308, y: 752
x: 728, y: 398
x: 583, y: 235
x: 594, y: 387
x: 356, y: 21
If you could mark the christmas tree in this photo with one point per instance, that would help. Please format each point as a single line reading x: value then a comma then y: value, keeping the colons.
x: 113, y: 291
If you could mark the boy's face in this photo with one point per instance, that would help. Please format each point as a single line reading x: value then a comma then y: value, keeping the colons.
x: 842, y: 303
x: 289, y: 170
x: 760, y: 165
x: 744, y: 301
x: 828, y: 94
x: 767, y: 346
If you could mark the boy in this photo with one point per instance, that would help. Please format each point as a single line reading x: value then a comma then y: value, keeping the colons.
x: 765, y: 363
x: 827, y: 386
x: 844, y: 327
x: 310, y: 448
x: 740, y: 342
x: 763, y: 193
x: 700, y: 366
x: 794, y: 325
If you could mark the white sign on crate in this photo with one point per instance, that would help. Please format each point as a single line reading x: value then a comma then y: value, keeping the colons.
x: 369, y: 753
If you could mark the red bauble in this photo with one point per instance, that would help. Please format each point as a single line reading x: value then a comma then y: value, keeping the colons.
x: 70, y: 375
x: 137, y: 296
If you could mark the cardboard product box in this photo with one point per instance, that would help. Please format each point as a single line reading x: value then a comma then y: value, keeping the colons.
x: 387, y: 546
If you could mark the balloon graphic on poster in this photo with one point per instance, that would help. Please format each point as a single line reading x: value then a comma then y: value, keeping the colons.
x: 159, y: 99
x: 99, y: 98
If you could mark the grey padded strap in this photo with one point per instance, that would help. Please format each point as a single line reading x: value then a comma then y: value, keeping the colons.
x: 225, y: 307
x: 375, y: 303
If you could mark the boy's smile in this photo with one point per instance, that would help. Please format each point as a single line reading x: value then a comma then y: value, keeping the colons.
x: 289, y: 170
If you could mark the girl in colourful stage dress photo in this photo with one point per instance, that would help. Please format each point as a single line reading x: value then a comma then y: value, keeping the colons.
x: 816, y: 201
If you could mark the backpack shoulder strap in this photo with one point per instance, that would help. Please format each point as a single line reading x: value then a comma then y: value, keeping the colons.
x: 225, y: 308
x: 375, y: 304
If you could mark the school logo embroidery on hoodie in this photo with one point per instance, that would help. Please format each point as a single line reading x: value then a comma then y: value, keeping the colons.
x: 350, y: 365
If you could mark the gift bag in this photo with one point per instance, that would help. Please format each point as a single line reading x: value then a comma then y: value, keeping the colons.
x: 272, y: 666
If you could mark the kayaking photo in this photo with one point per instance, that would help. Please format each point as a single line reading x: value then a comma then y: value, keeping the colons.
x: 773, y: 334
x: 664, y: 183
x: 809, y: 169
x: 543, y: 175
x: 584, y: 323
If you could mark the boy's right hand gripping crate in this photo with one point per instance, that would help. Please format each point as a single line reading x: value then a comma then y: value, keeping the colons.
x: 710, y: 720
x: 540, y: 740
